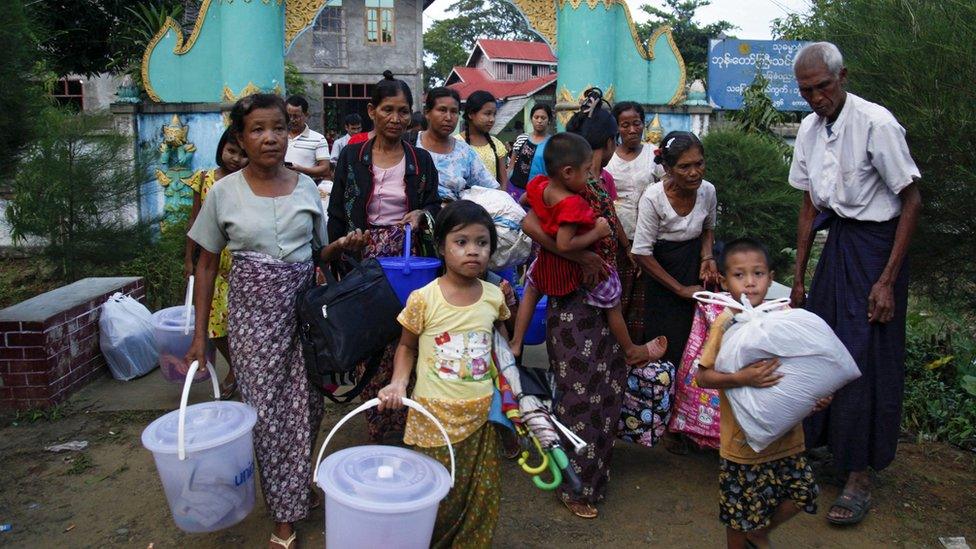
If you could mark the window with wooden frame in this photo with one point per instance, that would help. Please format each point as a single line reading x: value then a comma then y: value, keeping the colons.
x: 380, y: 22
x: 69, y: 93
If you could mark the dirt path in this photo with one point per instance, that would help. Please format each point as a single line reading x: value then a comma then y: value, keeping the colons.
x: 109, y: 495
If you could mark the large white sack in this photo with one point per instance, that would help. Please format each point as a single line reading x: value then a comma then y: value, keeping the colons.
x: 514, y: 246
x: 126, y: 337
x: 813, y: 361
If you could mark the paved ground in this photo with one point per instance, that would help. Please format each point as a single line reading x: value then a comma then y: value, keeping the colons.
x: 109, y: 494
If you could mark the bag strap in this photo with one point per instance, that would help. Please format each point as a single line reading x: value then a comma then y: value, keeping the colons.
x: 372, y: 365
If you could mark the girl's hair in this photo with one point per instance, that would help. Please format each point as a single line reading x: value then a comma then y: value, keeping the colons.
x: 625, y: 106
x: 476, y: 101
x: 674, y: 145
x: 229, y: 136
x: 462, y: 213
x: 390, y: 87
x: 592, y: 121
x: 541, y: 107
x: 436, y: 93
x: 251, y: 103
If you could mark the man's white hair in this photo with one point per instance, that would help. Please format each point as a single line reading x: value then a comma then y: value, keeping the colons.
x: 820, y: 52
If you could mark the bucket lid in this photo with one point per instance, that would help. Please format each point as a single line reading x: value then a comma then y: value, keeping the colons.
x: 398, y: 262
x: 383, y: 479
x: 172, y: 318
x: 208, y: 424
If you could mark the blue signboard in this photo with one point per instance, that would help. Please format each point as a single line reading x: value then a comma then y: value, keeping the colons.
x: 732, y: 66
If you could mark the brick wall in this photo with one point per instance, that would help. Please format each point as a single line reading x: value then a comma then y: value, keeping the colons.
x: 49, y: 344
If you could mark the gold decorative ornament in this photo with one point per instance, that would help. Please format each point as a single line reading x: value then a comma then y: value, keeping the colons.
x: 654, y: 131
x: 299, y: 14
x: 541, y: 16
x: 171, y: 25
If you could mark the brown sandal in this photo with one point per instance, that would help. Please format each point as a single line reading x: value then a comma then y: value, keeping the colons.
x: 581, y: 509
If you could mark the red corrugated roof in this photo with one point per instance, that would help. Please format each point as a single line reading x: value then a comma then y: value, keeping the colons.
x: 473, y: 80
x: 538, y: 52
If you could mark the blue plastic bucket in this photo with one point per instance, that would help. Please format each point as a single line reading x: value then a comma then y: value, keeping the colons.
x: 507, y: 274
x: 406, y: 273
x: 536, y: 334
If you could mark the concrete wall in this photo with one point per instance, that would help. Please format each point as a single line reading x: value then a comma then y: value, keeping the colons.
x: 365, y: 63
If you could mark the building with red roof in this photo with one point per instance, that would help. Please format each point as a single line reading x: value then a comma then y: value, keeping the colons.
x: 518, y: 73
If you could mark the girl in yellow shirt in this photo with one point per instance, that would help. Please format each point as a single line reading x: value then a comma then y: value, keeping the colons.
x: 447, y: 333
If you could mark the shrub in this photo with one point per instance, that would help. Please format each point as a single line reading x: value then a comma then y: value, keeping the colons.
x: 940, y: 396
x: 161, y: 264
x: 917, y: 58
x: 77, y: 190
x: 754, y: 199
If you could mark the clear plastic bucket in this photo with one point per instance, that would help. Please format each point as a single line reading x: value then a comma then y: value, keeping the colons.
x: 381, y: 496
x: 168, y: 325
x: 204, y: 454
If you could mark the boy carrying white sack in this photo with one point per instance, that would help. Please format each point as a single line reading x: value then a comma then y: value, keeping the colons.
x: 773, y: 366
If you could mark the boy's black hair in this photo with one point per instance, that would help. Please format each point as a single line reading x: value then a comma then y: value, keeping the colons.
x: 298, y: 101
x: 462, y: 213
x: 352, y: 120
x: 227, y: 137
x: 565, y: 149
x: 740, y: 245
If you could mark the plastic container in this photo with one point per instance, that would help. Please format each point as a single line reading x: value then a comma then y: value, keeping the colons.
x: 168, y: 326
x: 406, y: 273
x: 536, y: 334
x: 205, y: 458
x: 381, y: 496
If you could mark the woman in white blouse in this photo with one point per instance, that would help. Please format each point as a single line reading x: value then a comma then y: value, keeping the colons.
x: 673, y: 240
x: 633, y: 170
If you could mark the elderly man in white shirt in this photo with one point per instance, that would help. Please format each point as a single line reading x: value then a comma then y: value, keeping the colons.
x: 308, y: 151
x: 859, y: 182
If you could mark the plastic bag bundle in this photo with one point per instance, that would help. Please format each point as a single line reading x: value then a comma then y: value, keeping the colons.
x: 813, y: 361
x: 126, y: 337
x: 514, y: 246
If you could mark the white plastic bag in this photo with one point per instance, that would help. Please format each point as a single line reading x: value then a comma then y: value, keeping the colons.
x: 813, y: 361
x: 514, y: 246
x: 126, y: 337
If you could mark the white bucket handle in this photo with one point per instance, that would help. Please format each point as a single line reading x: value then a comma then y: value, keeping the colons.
x: 366, y: 406
x: 180, y: 435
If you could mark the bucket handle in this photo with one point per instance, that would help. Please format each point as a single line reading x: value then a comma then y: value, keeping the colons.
x: 366, y: 406
x: 406, y: 248
x: 180, y: 435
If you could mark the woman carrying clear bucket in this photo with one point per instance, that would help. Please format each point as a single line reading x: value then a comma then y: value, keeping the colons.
x: 271, y: 220
x: 448, y: 332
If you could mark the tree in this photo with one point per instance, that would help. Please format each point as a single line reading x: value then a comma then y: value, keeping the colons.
x: 84, y: 36
x: 754, y: 198
x: 448, y: 42
x: 759, y: 116
x: 690, y: 36
x: 75, y: 189
x: 21, y: 96
x: 917, y: 58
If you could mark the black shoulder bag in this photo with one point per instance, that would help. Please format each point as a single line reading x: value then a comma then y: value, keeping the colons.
x: 346, y: 322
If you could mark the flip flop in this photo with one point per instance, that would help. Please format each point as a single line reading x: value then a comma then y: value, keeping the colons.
x: 580, y: 509
x: 284, y: 543
x: 857, y: 506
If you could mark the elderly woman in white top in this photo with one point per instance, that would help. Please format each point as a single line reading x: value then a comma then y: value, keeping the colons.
x: 271, y: 219
x: 633, y: 170
x: 673, y: 240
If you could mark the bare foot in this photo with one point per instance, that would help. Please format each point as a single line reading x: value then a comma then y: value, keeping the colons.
x: 652, y: 351
x: 283, y: 536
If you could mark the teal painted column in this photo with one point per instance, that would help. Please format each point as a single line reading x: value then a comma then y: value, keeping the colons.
x: 597, y: 45
x: 236, y: 47
x: 252, y: 46
x: 586, y: 49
